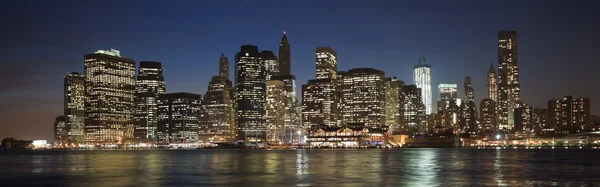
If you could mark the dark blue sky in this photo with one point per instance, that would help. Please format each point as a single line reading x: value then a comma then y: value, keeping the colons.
x: 43, y: 40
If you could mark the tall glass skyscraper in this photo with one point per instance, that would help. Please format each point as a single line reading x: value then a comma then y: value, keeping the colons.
x: 109, y: 90
x: 508, y: 78
x: 150, y: 84
x: 363, y: 95
x: 250, y: 95
x: 422, y: 79
x: 74, y: 102
x: 178, y: 118
x: 326, y: 63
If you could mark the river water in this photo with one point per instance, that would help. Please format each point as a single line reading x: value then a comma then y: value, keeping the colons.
x: 396, y: 167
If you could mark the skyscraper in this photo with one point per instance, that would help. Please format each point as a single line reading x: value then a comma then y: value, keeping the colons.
x: 275, y: 109
x: 448, y: 97
x: 150, y: 84
x: 492, y: 86
x: 271, y: 64
x: 326, y: 67
x: 285, y: 60
x: 414, y: 110
x: 468, y: 112
x: 523, y: 119
x: 250, y: 95
x: 292, y: 110
x: 422, y: 78
x: 363, y: 95
x: 488, y: 116
x: 224, y: 66
x: 61, y: 132
x: 394, y: 101
x: 178, y: 118
x: 109, y: 89
x: 568, y: 113
x: 508, y: 78
x: 74, y: 110
x: 318, y: 103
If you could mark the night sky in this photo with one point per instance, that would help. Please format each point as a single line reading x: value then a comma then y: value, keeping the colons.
x: 43, y: 40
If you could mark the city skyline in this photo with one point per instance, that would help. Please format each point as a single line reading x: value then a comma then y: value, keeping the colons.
x: 349, y: 58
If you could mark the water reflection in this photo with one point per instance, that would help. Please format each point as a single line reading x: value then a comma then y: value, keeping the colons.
x: 402, y: 167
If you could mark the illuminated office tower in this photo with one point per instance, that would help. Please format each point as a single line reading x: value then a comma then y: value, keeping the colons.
x: 326, y: 63
x: 448, y: 97
x: 250, y: 95
x: 414, y: 110
x: 224, y: 66
x: 318, y: 103
x: 178, y: 118
x: 569, y: 114
x: 393, y: 102
x: 523, y: 119
x: 492, y: 85
x: 271, y: 64
x: 422, y: 78
x: 509, y: 93
x: 109, y: 90
x: 538, y: 121
x: 285, y: 60
x: 275, y: 110
x: 291, y: 114
x: 150, y: 84
x: 218, y: 125
x: 74, y: 107
x: 61, y: 132
x: 468, y: 113
x: 363, y: 95
x: 487, y: 116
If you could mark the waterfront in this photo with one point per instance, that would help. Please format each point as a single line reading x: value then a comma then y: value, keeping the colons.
x: 323, y: 167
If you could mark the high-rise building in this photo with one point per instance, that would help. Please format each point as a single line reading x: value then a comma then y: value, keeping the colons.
x: 285, y: 60
x: 150, y: 84
x: 487, y: 116
x: 538, y: 121
x: 468, y: 114
x: 275, y: 110
x: 422, y: 78
x: 291, y: 114
x: 218, y: 125
x: 326, y: 63
x: 523, y: 119
x: 178, y: 118
x: 568, y: 113
x: 74, y: 107
x: 509, y: 93
x: 319, y: 103
x: 224, y: 66
x: 271, y: 63
x: 363, y: 95
x: 414, y: 110
x: 61, y: 132
x: 448, y: 97
x: 394, y: 101
x: 492, y: 86
x: 109, y: 90
x: 250, y: 95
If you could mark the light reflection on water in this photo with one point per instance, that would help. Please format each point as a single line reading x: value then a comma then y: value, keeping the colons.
x: 400, y: 167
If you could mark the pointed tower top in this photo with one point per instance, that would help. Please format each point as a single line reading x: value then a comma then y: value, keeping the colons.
x: 492, y: 67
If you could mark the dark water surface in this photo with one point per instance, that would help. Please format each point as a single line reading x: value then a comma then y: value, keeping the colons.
x: 397, y: 167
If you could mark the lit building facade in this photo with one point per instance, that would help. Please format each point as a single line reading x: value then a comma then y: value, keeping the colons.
x: 363, y: 96
x: 487, y: 119
x: 422, y: 78
x: 326, y: 63
x: 61, y: 132
x: 319, y: 103
x: 178, y: 118
x: 292, y: 110
x: 224, y: 66
x: 538, y: 121
x: 109, y: 89
x: 448, y: 97
x: 468, y: 113
x: 285, y: 60
x: 523, y: 119
x: 74, y: 107
x: 271, y: 64
x: 413, y: 109
x: 509, y: 94
x: 275, y: 110
x: 492, y: 85
x: 218, y: 124
x: 250, y: 95
x: 150, y: 84
x: 569, y: 114
x: 394, y: 102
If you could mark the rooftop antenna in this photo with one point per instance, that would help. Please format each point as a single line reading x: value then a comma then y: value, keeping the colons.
x: 283, y: 26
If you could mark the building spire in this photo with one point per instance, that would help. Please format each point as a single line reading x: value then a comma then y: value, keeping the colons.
x: 492, y: 67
